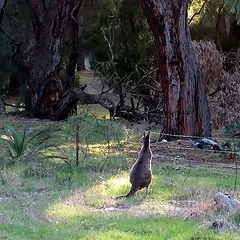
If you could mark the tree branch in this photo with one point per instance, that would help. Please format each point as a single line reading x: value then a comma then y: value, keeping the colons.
x: 197, y: 13
x: 109, y: 42
x: 74, y: 95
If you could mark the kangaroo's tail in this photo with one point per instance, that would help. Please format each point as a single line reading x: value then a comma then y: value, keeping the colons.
x: 131, y: 193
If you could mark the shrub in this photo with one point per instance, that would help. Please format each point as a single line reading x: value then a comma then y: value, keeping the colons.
x: 16, y: 140
x: 221, y: 74
x: 96, y: 131
x: 21, y: 139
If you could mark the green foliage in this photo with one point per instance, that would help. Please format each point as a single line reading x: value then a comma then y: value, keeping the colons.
x: 236, y: 217
x: 81, y: 212
x: 41, y: 200
x: 121, y: 24
x: 203, y: 25
x: 19, y: 140
x: 96, y: 131
x: 16, y: 140
x: 235, y: 8
x: 36, y: 169
x: 232, y: 129
x: 24, y: 92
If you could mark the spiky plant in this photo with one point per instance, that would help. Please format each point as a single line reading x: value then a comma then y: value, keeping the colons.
x: 16, y: 140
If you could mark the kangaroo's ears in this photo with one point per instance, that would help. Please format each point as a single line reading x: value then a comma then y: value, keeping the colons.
x: 144, y: 134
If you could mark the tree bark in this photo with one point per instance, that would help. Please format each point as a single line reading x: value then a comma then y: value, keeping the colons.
x: 73, y: 38
x: 2, y: 7
x: 185, y: 102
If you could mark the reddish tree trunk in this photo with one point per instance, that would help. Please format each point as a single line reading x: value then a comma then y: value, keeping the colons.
x: 186, y: 107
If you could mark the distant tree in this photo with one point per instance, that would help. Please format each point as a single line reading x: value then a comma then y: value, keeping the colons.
x: 185, y: 102
x: 217, y: 21
x: 235, y: 8
x: 123, y: 53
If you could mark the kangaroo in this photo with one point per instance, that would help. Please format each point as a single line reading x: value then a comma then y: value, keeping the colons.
x: 141, y: 172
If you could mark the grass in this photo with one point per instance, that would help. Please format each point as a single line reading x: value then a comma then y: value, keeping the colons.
x: 47, y: 198
x: 113, y: 226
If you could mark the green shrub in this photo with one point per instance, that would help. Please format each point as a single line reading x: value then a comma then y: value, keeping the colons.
x: 95, y: 131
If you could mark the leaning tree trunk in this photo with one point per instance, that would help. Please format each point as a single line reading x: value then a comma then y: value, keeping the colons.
x: 185, y: 102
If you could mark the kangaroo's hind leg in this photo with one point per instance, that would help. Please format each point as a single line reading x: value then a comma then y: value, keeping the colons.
x: 147, y: 190
x: 133, y: 190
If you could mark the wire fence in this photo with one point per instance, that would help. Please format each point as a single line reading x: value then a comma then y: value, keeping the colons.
x: 190, y: 148
x: 195, y: 137
x: 201, y: 150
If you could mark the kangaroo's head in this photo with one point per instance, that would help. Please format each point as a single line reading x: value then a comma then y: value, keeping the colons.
x: 146, y: 139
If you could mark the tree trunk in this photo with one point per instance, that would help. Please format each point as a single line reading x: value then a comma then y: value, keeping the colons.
x: 41, y: 58
x: 81, y: 61
x: 185, y: 102
x: 2, y: 105
x: 2, y: 6
x: 73, y: 38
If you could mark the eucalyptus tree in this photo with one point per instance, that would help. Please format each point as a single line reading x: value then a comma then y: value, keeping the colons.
x: 36, y: 30
x: 185, y: 103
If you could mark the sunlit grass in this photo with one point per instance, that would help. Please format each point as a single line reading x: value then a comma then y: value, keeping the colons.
x: 106, y: 190
x: 114, y: 226
x: 64, y: 210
